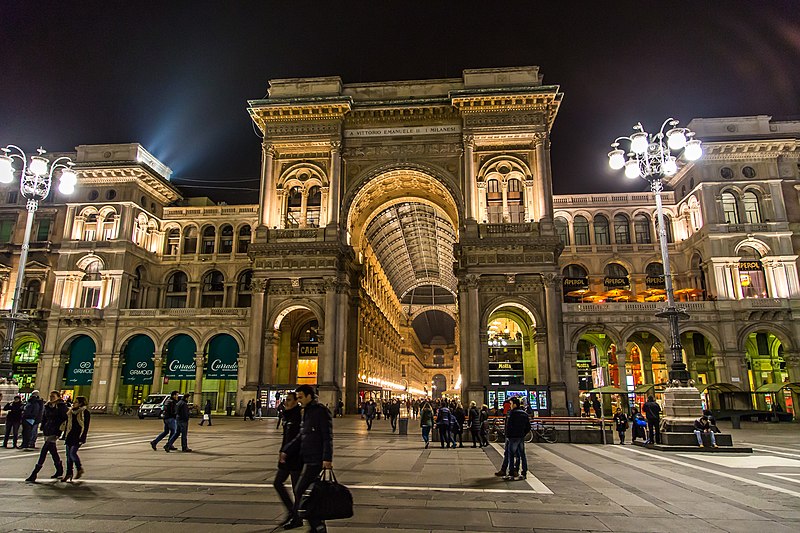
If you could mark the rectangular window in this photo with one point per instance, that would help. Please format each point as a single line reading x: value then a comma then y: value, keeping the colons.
x: 12, y: 197
x: 90, y: 297
x: 43, y: 230
x: 6, y: 229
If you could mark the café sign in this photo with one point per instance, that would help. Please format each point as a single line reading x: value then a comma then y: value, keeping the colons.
x: 616, y: 282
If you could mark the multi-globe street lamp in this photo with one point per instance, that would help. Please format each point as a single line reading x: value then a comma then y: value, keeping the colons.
x: 36, y: 177
x: 653, y: 158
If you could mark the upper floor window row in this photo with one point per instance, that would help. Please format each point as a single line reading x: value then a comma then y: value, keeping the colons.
x: 598, y: 231
x: 746, y: 209
x: 212, y: 240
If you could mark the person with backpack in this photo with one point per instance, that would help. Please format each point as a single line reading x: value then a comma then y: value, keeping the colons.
x: 170, y: 423
x: 54, y: 419
x: 638, y: 423
x: 443, y: 426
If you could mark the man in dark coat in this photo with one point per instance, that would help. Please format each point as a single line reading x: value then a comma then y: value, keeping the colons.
x: 170, y: 423
x: 314, y: 445
x: 292, y: 418
x: 443, y: 426
x: 652, y: 412
x: 518, y: 424
x: 182, y: 423
x: 13, y: 420
x: 31, y: 418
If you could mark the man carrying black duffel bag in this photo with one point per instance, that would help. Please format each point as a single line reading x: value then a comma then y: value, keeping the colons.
x: 314, y: 445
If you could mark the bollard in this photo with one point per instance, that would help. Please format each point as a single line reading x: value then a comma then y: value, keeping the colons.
x: 403, y: 429
x: 736, y: 422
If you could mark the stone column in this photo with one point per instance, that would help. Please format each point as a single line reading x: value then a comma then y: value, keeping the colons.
x: 571, y: 379
x: 269, y: 361
x: 737, y: 281
x: 113, y: 382
x: 158, y: 380
x: 199, y: 361
x: 323, y: 206
x: 267, y: 185
x: 544, y: 192
x: 258, y: 331
x: 480, y: 211
x: 100, y: 376
x: 504, y: 192
x: 622, y: 369
x: 542, y: 361
x: 335, y: 183
x: 303, y: 208
x: 464, y: 336
x: 470, y: 180
x: 327, y: 355
x: 552, y: 284
x: 530, y: 211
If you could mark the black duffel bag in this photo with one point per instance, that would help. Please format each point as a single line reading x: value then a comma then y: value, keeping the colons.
x: 326, y: 499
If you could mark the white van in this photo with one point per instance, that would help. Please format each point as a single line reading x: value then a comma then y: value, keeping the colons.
x: 153, y: 406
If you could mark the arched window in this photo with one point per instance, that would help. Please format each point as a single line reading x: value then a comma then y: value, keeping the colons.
x: 90, y: 227
x: 177, y: 288
x: 294, y: 204
x: 226, y: 239
x: 698, y: 275
x: 438, y: 357
x: 622, y: 229
x: 581, y: 228
x: 190, y: 240
x: 601, y: 230
x: 244, y: 240
x: 173, y: 242
x: 213, y: 294
x: 667, y: 227
x: 752, y: 211
x: 562, y: 228
x: 135, y: 300
x: 574, y: 271
x: 313, y: 206
x: 494, y: 201
x: 30, y: 299
x: 730, y: 210
x: 243, y: 290
x: 109, y: 226
x: 90, y: 285
x: 751, y: 274
x: 209, y: 238
x: 641, y: 229
x: 515, y: 201
x: 616, y: 276
x: 654, y: 269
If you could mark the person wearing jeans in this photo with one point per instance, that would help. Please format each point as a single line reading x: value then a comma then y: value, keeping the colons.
x: 170, y: 424
x: 443, y: 425
x: 518, y: 424
x: 181, y: 425
x: 426, y: 423
x: 701, y: 426
x: 78, y: 418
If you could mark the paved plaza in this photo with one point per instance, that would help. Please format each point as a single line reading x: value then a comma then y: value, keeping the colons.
x: 399, y: 486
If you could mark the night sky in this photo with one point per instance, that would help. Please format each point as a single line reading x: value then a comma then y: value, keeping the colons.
x: 176, y: 76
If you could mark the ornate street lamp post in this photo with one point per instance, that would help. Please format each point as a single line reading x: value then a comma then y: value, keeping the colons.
x: 36, y: 176
x: 651, y: 158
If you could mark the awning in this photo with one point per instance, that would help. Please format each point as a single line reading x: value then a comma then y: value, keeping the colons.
x: 644, y: 388
x: 610, y: 389
x: 80, y: 368
x: 769, y: 388
x: 721, y: 387
x: 138, y: 366
x: 223, y: 358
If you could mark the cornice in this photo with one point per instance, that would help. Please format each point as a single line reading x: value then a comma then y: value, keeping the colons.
x: 301, y: 111
x: 547, y: 101
x: 157, y: 187
x: 749, y: 150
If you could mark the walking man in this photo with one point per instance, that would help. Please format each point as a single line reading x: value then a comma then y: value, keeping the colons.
x: 393, y: 412
x: 369, y: 413
x: 292, y: 418
x: 314, y: 444
x: 181, y: 424
x: 443, y: 425
x: 13, y: 420
x: 518, y: 424
x: 170, y: 424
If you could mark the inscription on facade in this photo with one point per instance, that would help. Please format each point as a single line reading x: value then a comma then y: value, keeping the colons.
x: 403, y: 130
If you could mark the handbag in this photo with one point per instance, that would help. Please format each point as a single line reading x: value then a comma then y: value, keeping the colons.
x: 206, y: 417
x: 326, y: 499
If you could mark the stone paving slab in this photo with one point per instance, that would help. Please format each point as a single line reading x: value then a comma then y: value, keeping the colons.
x: 550, y: 521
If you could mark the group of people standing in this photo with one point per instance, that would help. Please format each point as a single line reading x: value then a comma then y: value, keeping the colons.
x: 25, y: 415
x: 450, y: 420
x: 391, y: 410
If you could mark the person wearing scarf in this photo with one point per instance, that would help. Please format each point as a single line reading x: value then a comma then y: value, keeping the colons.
x: 54, y: 416
x: 77, y: 427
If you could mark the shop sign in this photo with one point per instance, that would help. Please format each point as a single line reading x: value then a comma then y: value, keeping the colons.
x: 308, y: 349
x: 616, y: 282
x: 222, y: 367
x: 750, y: 266
x: 181, y: 366
x: 138, y: 372
x: 576, y: 284
x: 654, y: 282
x: 80, y: 369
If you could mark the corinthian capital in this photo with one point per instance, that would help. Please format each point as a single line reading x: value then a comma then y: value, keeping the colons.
x: 469, y: 141
x: 269, y: 149
x: 551, y: 280
x: 336, y: 146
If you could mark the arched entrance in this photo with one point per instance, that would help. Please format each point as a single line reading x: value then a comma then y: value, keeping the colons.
x: 138, y: 368
x: 180, y: 367
x: 438, y: 385
x: 79, y: 368
x: 221, y: 372
x: 25, y: 363
x: 766, y: 365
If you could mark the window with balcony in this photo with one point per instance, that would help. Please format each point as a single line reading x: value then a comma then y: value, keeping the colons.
x: 30, y: 297
x: 90, y: 227
x: 244, y: 240
x: 209, y: 239
x: 580, y: 226
x: 494, y: 202
x: 667, y: 228
x: 294, y: 205
x: 213, y: 290
x: 752, y: 210
x: 90, y: 286
x: 243, y: 289
x: 313, y: 206
x: 730, y: 208
x: 751, y: 274
x: 601, y: 235
x: 641, y: 229
x: 190, y: 240
x: 515, y: 201
x: 108, y: 227
x: 622, y: 229
x: 173, y: 241
x: 562, y: 228
x: 226, y: 239
x: 177, y: 290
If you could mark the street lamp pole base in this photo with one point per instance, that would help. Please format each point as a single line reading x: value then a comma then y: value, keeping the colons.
x: 682, y: 406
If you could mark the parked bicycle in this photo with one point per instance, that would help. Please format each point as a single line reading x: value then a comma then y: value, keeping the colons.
x: 543, y: 432
x: 125, y: 410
